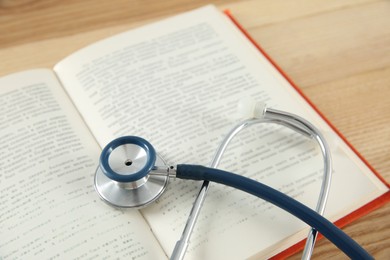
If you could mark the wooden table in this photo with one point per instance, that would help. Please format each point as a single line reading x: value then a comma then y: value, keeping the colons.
x: 338, y: 52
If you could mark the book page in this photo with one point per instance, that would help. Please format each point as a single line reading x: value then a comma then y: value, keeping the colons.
x: 177, y: 83
x: 49, y: 209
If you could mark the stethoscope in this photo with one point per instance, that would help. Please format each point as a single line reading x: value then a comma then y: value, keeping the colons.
x: 132, y: 175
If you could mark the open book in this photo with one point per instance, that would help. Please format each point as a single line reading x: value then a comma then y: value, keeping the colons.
x: 176, y: 83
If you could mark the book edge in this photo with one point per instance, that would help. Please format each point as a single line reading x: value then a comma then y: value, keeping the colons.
x: 352, y: 216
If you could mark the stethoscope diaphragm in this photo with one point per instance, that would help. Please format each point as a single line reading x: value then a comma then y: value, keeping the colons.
x: 122, y: 179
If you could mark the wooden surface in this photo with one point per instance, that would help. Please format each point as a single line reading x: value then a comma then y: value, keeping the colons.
x: 338, y: 52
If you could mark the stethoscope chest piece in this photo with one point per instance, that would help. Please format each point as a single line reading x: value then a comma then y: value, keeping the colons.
x: 122, y: 178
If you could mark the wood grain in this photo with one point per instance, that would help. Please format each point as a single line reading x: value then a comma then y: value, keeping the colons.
x: 23, y: 21
x: 338, y: 52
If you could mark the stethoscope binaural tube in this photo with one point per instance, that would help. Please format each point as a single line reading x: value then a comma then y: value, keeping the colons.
x: 258, y: 113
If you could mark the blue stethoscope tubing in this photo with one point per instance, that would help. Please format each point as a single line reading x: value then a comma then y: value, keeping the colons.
x: 304, y: 213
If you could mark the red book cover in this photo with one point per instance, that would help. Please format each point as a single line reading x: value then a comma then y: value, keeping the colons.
x: 378, y: 202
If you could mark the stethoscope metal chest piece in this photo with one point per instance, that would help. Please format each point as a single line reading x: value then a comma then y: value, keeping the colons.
x: 122, y: 178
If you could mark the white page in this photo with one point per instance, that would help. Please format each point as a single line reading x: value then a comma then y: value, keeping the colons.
x: 177, y: 84
x: 49, y: 208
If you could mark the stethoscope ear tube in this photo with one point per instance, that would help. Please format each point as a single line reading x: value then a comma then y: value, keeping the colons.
x: 304, y: 213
